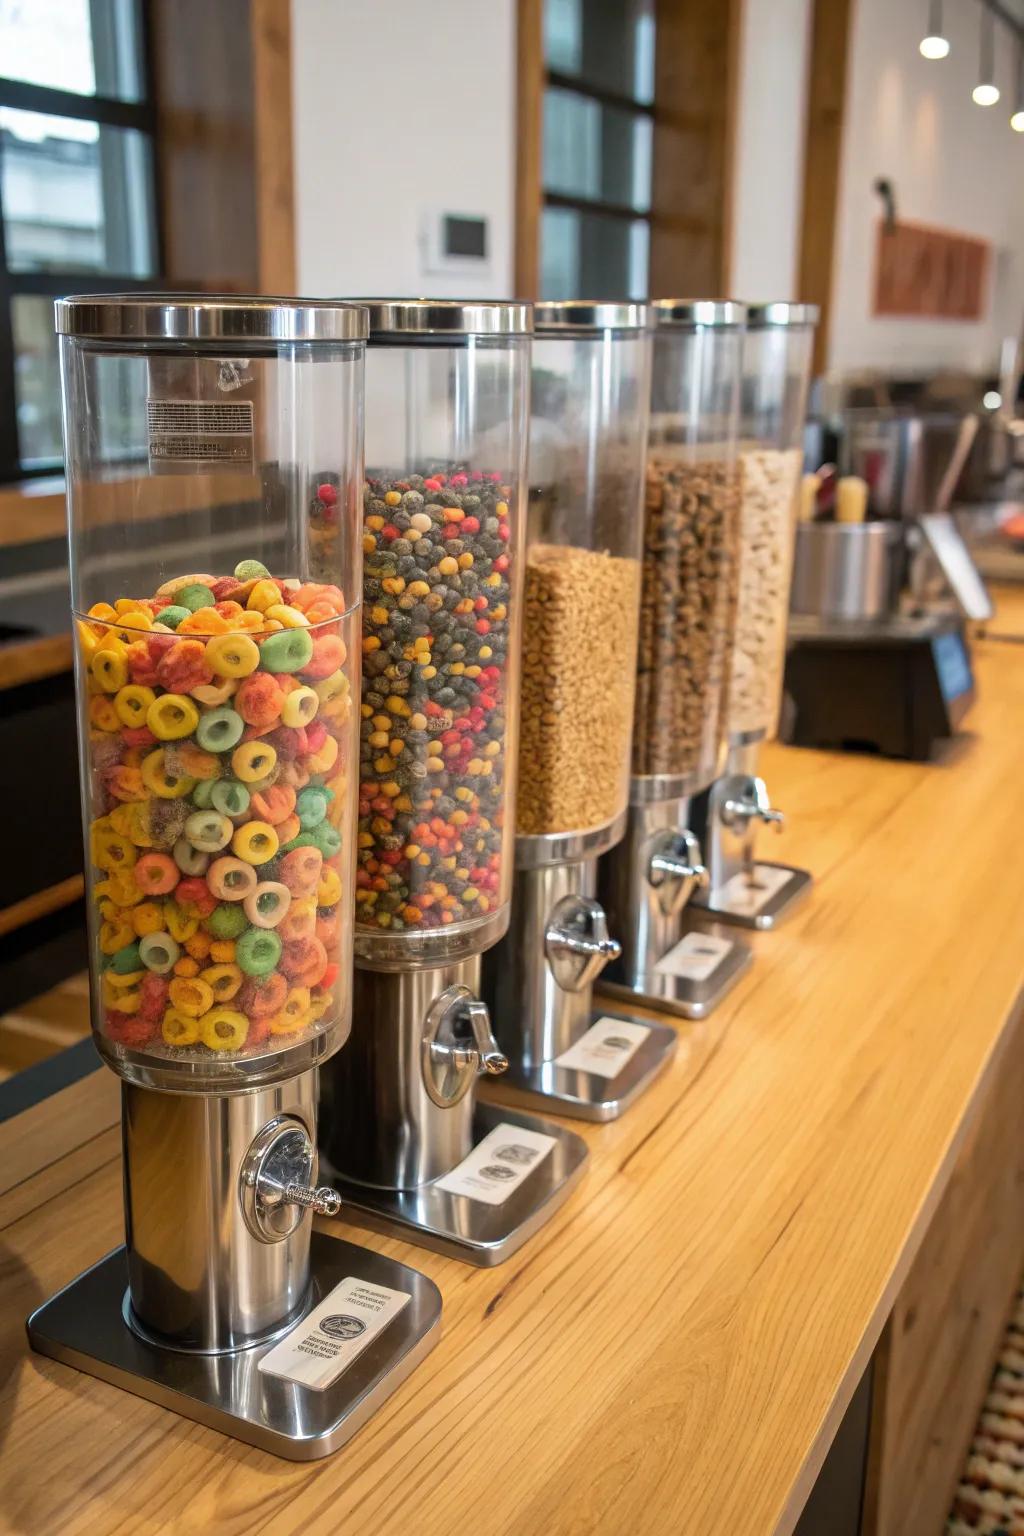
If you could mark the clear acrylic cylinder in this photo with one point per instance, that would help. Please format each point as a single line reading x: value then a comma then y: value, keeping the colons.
x: 214, y: 471
x: 443, y: 529
x: 776, y: 371
x: 691, y: 529
x: 588, y: 433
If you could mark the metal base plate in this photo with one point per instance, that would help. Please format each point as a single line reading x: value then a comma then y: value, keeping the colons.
x: 688, y: 997
x: 460, y: 1226
x: 84, y: 1326
x: 751, y: 908
x: 587, y: 1095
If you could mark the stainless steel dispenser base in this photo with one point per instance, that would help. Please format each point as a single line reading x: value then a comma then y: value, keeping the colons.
x: 716, y: 965
x: 85, y: 1326
x: 586, y: 1095
x: 743, y: 901
x: 464, y: 1227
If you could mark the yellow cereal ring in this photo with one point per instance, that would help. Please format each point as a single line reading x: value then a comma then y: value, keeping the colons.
x: 178, y: 1028
x: 264, y: 595
x: 329, y: 888
x: 131, y: 702
x: 110, y: 850
x: 222, y: 980
x: 179, y: 924
x: 223, y: 951
x: 172, y: 716
x: 319, y: 1006
x: 116, y: 934
x: 191, y: 995
x: 252, y: 761
x: 158, y: 778
x: 102, y: 611
x: 233, y: 655
x: 300, y: 707
x: 102, y: 713
x: 255, y: 842
x: 222, y: 1029
x: 109, y: 668
x: 120, y: 888
x: 126, y: 1002
x: 291, y: 618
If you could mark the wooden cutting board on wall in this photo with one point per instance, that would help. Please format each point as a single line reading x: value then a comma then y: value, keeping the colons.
x: 925, y: 272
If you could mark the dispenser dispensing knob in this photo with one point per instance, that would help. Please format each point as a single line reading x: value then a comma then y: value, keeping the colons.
x: 748, y: 802
x: 276, y: 1181
x: 675, y: 869
x: 577, y: 943
x: 457, y: 1045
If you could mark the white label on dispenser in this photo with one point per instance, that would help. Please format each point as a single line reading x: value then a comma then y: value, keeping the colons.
x: 498, y: 1165
x: 694, y: 957
x: 746, y: 893
x: 605, y: 1048
x: 327, y: 1341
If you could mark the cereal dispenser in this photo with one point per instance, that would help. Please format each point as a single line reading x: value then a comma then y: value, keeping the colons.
x: 214, y: 463
x: 588, y: 438
x: 443, y: 526
x: 687, y: 607
x: 776, y: 369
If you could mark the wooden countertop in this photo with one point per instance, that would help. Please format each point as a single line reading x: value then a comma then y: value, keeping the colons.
x: 675, y: 1350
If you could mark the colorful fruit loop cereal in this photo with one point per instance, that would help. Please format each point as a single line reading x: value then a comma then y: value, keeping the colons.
x: 218, y: 723
x: 436, y: 630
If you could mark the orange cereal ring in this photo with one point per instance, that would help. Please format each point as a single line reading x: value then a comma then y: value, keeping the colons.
x: 260, y: 998
x: 191, y: 995
x: 205, y: 621
x: 300, y: 921
x: 184, y: 666
x: 300, y: 870
x: 260, y: 700
x: 274, y: 804
x: 222, y: 951
x: 102, y: 713
x: 156, y: 874
x: 290, y: 827
x: 186, y: 966
x: 304, y: 961
x: 329, y: 655
x: 199, y: 945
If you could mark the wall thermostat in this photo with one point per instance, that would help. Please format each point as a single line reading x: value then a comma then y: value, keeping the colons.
x: 457, y: 243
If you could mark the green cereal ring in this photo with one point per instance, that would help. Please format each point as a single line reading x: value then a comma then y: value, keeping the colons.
x: 324, y: 836
x: 287, y: 651
x: 220, y: 729
x: 311, y: 806
x: 173, y: 614
x: 126, y: 960
x: 202, y: 795
x: 194, y: 596
x: 230, y: 797
x: 226, y: 921
x: 258, y: 951
x: 250, y: 570
x: 159, y: 952
x: 208, y: 831
x: 190, y: 860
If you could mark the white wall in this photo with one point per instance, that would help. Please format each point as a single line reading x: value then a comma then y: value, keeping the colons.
x: 768, y: 182
x: 953, y: 164
x: 400, y: 106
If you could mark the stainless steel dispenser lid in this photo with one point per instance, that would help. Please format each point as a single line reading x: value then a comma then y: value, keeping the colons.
x: 448, y: 317
x: 760, y: 316
x: 590, y: 315
x: 704, y: 312
x: 185, y: 317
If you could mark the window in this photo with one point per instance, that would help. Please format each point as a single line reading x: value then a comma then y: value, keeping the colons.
x: 598, y: 135
x: 77, y: 204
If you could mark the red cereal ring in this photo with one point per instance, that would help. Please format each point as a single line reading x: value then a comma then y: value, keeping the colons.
x: 304, y: 961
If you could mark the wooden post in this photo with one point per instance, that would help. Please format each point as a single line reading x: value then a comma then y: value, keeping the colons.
x: 826, y: 103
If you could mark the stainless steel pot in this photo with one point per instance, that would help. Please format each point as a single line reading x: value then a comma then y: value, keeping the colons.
x: 848, y: 570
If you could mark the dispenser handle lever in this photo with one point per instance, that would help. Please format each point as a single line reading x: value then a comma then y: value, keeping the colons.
x: 577, y: 943
x: 676, y: 869
x: 491, y: 1059
x: 322, y: 1201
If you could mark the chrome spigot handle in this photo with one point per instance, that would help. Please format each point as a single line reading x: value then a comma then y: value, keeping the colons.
x: 452, y: 1054
x: 322, y: 1201
x: 490, y: 1059
x: 577, y: 943
x: 748, y: 803
x: 276, y: 1181
x: 675, y: 869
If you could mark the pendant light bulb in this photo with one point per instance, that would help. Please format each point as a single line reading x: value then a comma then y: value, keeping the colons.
x: 1017, y: 121
x: 935, y: 43
x: 986, y: 92
x: 1017, y: 115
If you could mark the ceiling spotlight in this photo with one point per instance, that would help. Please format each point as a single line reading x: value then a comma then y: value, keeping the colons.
x: 934, y: 44
x: 986, y: 92
x: 1017, y: 120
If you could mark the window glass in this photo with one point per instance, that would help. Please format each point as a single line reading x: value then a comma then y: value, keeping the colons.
x: 608, y: 44
x: 592, y: 255
x: 597, y: 152
x: 91, y: 47
x: 36, y: 381
x: 76, y: 195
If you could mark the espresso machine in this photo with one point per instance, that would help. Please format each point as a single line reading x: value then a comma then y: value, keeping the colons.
x: 216, y: 728
x: 443, y: 532
x: 742, y: 889
x: 587, y: 456
x: 672, y: 958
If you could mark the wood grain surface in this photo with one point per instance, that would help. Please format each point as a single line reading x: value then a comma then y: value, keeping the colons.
x: 673, y: 1352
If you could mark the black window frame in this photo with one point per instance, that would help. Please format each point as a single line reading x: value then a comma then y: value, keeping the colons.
x: 106, y: 111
